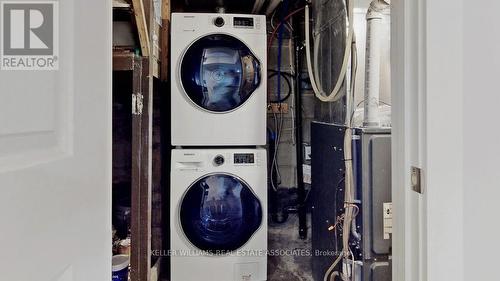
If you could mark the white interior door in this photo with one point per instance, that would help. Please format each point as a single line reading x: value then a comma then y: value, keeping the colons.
x: 428, y: 134
x: 55, y: 155
x: 407, y: 87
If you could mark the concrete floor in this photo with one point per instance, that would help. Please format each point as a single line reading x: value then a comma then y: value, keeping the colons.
x: 294, y: 261
x: 294, y: 266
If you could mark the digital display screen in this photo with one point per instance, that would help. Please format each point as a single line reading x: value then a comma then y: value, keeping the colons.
x: 243, y: 22
x: 244, y: 158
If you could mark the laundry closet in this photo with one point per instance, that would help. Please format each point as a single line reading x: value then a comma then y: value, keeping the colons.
x: 250, y: 140
x: 267, y: 140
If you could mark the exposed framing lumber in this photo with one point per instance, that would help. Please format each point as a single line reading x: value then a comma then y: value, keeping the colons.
x: 123, y: 61
x: 142, y: 25
x: 140, y: 259
x: 121, y: 4
x: 142, y: 68
x: 155, y: 47
x: 154, y: 28
x: 165, y: 39
x: 148, y: 12
x: 165, y: 10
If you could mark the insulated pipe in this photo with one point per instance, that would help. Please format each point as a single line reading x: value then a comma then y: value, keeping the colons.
x: 257, y: 6
x: 374, y: 17
x: 220, y: 10
x: 272, y: 6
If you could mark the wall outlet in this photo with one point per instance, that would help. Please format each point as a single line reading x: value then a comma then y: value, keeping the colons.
x: 307, y: 152
x: 277, y: 108
x: 306, y: 170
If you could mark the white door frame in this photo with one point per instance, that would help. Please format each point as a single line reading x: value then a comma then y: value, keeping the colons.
x: 426, y: 58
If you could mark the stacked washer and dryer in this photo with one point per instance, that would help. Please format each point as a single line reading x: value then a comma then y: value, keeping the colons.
x: 218, y: 205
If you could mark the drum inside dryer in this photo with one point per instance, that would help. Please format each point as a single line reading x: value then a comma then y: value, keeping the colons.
x: 219, y: 73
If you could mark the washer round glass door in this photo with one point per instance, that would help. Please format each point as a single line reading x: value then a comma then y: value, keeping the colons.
x: 220, y: 213
x: 219, y: 73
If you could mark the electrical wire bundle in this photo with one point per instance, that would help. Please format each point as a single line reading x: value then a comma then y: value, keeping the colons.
x: 278, y: 33
x: 278, y: 124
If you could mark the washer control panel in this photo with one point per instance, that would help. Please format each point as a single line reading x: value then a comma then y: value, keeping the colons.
x: 243, y: 22
x: 244, y: 158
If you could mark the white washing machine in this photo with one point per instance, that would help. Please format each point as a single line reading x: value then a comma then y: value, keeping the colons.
x: 218, y: 92
x: 218, y: 215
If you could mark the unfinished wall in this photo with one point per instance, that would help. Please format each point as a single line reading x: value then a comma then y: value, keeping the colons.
x: 313, y: 109
x: 286, y: 150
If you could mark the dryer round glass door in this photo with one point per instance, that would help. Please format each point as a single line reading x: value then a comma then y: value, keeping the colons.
x: 220, y: 213
x: 219, y: 73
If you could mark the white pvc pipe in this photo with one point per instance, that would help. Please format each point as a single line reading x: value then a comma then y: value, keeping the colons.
x: 316, y: 44
x: 374, y: 19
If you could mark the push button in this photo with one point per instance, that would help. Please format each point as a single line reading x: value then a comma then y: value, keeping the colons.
x: 219, y: 21
x: 219, y: 160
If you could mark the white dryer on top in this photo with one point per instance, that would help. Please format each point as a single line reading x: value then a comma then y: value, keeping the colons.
x: 218, y: 92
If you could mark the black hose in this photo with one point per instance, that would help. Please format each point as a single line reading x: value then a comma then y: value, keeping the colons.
x: 286, y: 77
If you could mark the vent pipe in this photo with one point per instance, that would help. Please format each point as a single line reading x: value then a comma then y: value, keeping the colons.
x: 272, y: 6
x: 258, y: 6
x: 220, y: 8
x: 377, y: 10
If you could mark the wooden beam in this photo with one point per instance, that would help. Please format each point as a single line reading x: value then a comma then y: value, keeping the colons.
x: 122, y: 4
x: 165, y: 40
x: 148, y: 12
x: 154, y: 28
x: 142, y: 26
x: 123, y: 61
x: 164, y: 50
x: 140, y: 258
x: 159, y: 198
x: 165, y: 10
x: 155, y: 47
